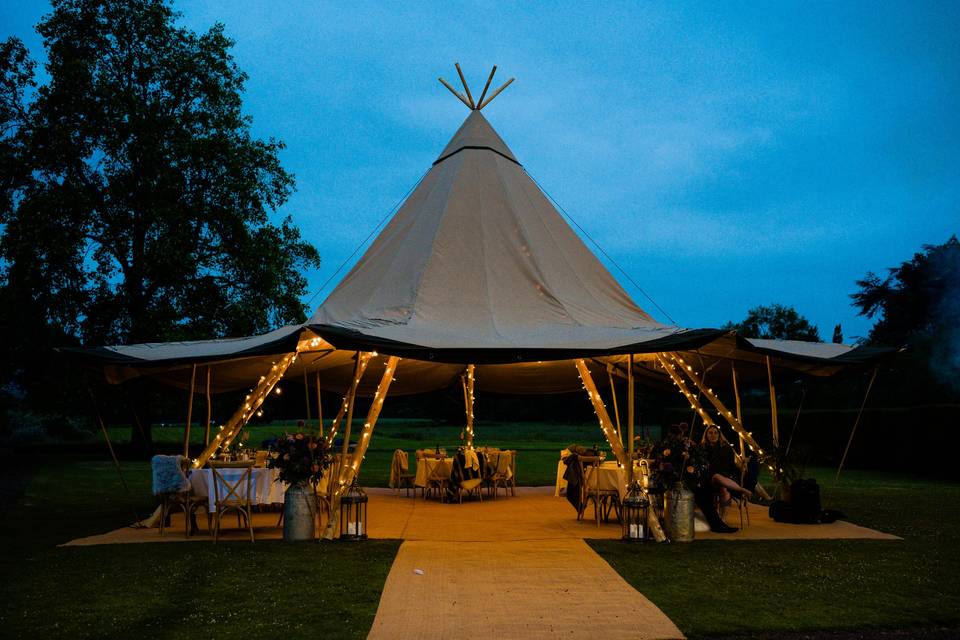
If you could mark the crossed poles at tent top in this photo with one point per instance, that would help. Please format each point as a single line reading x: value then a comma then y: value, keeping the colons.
x: 468, y: 99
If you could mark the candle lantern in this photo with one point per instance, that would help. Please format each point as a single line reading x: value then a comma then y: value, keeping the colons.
x: 635, y: 509
x: 353, y: 513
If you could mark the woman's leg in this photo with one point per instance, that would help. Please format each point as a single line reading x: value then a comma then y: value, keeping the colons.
x: 723, y: 482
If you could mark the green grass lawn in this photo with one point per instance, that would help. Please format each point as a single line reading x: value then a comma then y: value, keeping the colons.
x: 718, y: 588
x: 233, y: 589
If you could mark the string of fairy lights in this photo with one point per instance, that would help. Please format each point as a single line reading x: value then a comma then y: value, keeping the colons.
x: 674, y: 366
x: 364, y: 360
x: 600, y: 410
x: 251, y: 404
x: 468, y: 398
x: 348, y: 472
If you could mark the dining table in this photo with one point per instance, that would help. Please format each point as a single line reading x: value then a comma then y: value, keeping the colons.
x: 265, y: 489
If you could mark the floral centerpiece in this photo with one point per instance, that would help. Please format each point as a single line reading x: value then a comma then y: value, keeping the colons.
x: 678, y: 460
x: 299, y: 457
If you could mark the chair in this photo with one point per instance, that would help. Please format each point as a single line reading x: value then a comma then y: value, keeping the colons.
x: 170, y: 483
x: 589, y: 487
x: 400, y: 476
x: 501, y: 473
x: 260, y: 458
x: 232, y: 493
x: 469, y: 476
x: 436, y: 481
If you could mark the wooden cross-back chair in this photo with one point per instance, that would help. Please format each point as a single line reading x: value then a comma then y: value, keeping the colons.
x: 436, y: 481
x: 232, y: 494
x: 589, y: 487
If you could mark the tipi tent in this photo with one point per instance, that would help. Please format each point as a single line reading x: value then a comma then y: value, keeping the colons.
x: 477, y: 272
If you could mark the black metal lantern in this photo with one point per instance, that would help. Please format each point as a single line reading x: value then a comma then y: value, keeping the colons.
x: 353, y: 513
x: 634, y: 510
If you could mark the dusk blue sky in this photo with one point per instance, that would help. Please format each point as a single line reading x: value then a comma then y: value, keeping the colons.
x: 725, y: 155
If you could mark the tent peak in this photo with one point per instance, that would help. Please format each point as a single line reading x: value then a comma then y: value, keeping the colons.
x: 468, y: 99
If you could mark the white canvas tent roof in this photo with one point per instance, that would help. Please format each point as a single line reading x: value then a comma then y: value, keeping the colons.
x: 476, y: 267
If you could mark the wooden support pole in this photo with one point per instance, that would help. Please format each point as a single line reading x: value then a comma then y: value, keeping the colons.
x: 463, y: 81
x: 357, y: 369
x: 630, y: 419
x: 364, y: 360
x: 253, y: 401
x: 468, y: 403
x: 856, y: 422
x: 496, y: 93
x: 616, y: 410
x: 306, y: 395
x: 674, y: 365
x: 186, y: 427
x: 601, y: 411
x: 796, y: 419
x: 319, y: 409
x: 774, y: 425
x: 736, y: 397
x: 348, y: 471
x: 487, y: 86
x: 206, y: 426
x: 456, y: 93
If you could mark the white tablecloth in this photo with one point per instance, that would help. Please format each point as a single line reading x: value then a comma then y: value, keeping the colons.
x: 612, y: 476
x: 438, y: 468
x: 265, y: 488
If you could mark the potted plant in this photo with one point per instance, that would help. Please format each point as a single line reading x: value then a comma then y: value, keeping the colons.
x: 677, y: 469
x: 301, y: 460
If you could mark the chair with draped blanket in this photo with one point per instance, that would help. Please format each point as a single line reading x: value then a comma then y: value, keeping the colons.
x: 400, y: 476
x: 171, y: 485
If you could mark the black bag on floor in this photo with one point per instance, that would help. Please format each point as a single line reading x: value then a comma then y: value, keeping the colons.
x: 805, y: 501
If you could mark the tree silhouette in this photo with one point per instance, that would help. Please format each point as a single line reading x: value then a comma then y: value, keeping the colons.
x: 777, y: 322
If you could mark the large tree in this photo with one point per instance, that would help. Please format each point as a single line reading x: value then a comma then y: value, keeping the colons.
x: 144, y: 208
x: 776, y: 322
x: 918, y: 306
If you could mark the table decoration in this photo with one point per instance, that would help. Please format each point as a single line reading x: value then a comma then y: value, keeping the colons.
x: 301, y: 460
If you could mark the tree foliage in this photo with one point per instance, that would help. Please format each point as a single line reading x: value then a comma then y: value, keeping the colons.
x: 140, y: 205
x: 776, y: 322
x: 918, y: 306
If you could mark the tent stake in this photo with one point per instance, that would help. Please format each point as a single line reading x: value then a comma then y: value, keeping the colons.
x: 186, y: 427
x: 856, y: 422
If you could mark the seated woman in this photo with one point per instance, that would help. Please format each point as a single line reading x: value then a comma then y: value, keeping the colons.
x: 722, y: 466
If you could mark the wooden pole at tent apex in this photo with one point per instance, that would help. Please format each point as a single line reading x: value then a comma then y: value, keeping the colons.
x: 630, y: 418
x: 186, y: 427
x: 465, y: 87
x: 468, y: 99
x: 487, y: 86
x: 774, y: 424
x: 613, y: 395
